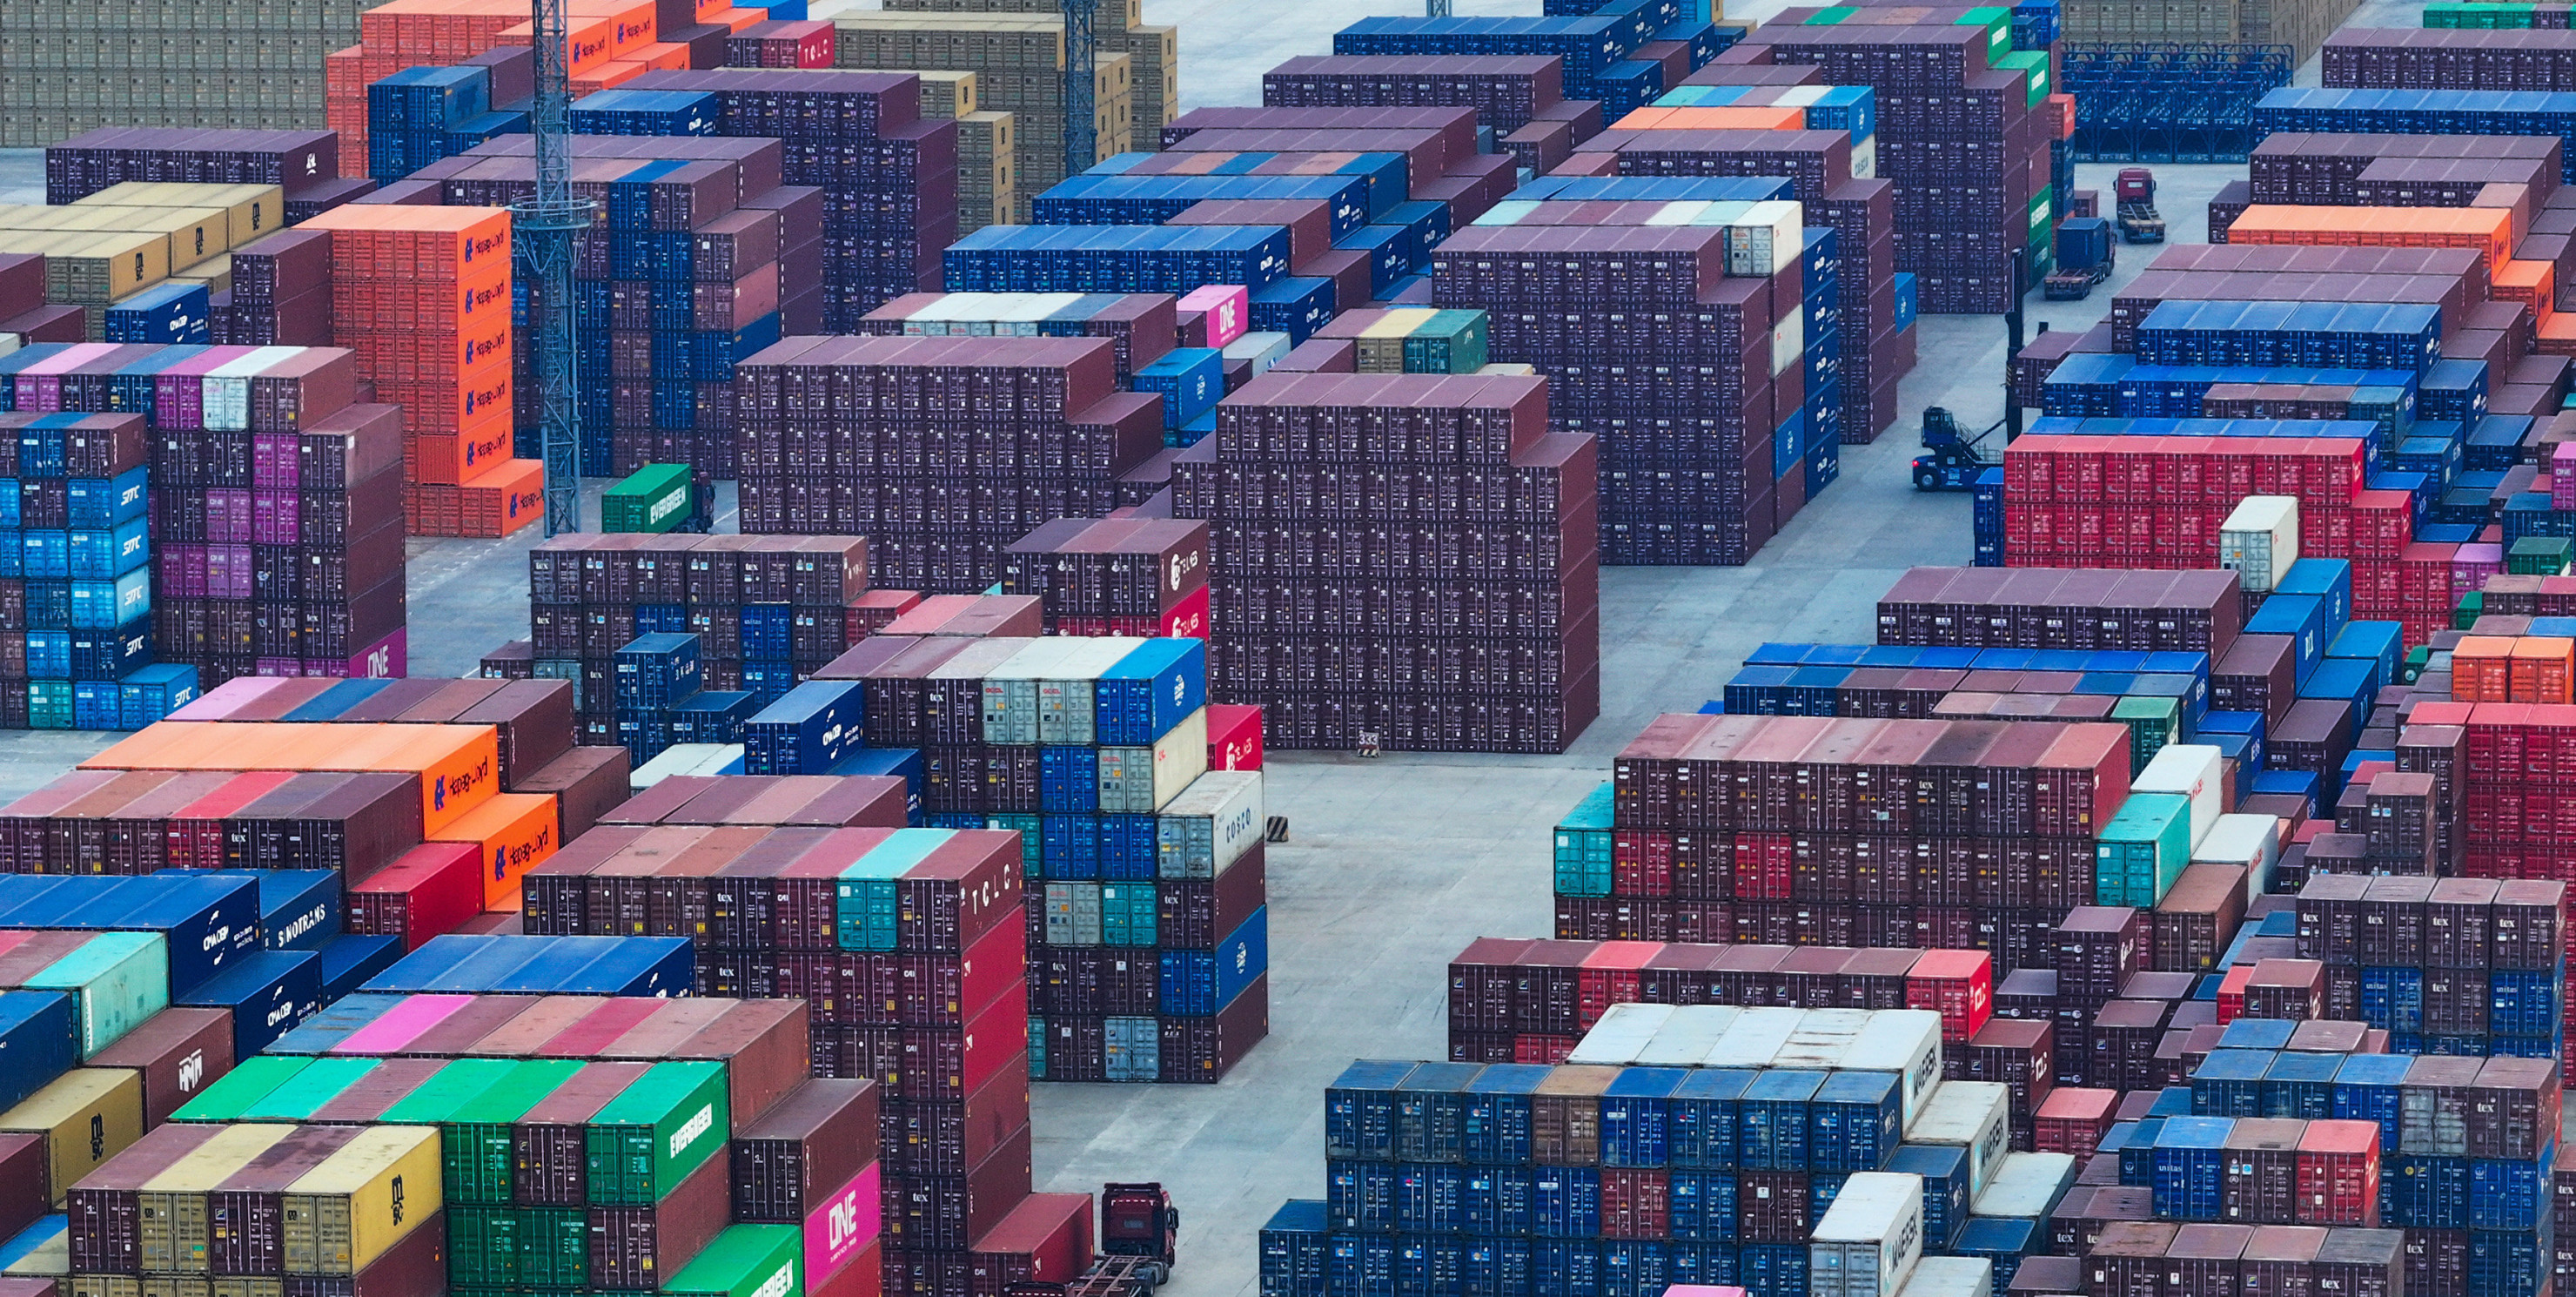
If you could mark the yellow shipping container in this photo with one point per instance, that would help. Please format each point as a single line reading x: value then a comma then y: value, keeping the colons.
x: 172, y: 1224
x: 86, y: 1116
x: 363, y: 1200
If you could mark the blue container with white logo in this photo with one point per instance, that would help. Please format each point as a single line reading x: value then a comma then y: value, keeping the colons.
x: 299, y: 909
x: 815, y: 725
x: 267, y: 991
x: 1201, y: 983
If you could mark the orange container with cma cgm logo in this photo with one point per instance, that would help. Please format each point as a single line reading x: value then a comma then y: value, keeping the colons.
x: 457, y: 765
x: 514, y: 832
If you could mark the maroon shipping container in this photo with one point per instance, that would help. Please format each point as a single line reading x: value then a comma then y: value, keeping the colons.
x: 807, y: 1145
x: 179, y: 1051
x: 105, y: 1217
x: 22, y: 1180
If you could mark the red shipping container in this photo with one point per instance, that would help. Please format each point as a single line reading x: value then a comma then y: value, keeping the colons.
x: 1635, y: 1204
x: 1957, y: 984
x: 2338, y: 1174
x: 2073, y: 1120
x: 426, y: 892
x: 1234, y: 737
x: 1610, y: 975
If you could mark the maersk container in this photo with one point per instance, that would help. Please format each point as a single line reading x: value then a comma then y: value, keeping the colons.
x: 2027, y: 1185
x: 267, y: 991
x: 814, y: 725
x: 1067, y: 702
x: 1820, y: 1038
x: 1156, y: 686
x: 40, y: 1038
x: 1973, y: 1115
x: 1868, y: 1242
x: 1621, y: 1033
x: 1906, y: 1043
x: 1210, y: 825
x: 115, y: 981
x: 1959, y: 1276
x: 1755, y: 1038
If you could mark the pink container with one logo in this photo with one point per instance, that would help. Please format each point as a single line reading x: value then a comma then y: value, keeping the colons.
x: 844, y: 1226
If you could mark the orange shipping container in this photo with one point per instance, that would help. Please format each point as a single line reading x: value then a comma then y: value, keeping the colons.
x: 508, y: 496
x: 515, y: 832
x: 2482, y: 669
x: 2541, y: 668
x: 2530, y: 283
x: 404, y: 242
x: 457, y: 765
x: 1724, y: 117
x: 456, y: 458
x: 2486, y: 229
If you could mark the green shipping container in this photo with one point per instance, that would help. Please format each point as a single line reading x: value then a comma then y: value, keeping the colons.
x: 646, y: 1140
x: 250, y: 1081
x: 482, y: 1247
x: 2472, y: 606
x: 2538, y: 556
x: 1127, y: 914
x: 655, y: 498
x: 116, y: 980
x: 2142, y: 850
x: 477, y: 1158
x: 1583, y: 847
x: 1032, y: 856
x: 1450, y: 342
x: 554, y: 1247
x: 2152, y: 721
x: 297, y: 1097
x: 864, y: 895
x: 745, y: 1261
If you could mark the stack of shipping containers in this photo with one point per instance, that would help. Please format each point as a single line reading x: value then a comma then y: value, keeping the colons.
x: 943, y: 485
x: 1521, y: 673
x: 1147, y: 932
x: 422, y: 294
x: 1018, y: 58
x: 767, y: 611
x: 273, y: 519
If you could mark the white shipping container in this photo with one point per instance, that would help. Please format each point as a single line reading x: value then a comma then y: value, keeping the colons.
x: 2260, y: 539
x: 1865, y: 158
x: 225, y: 390
x: 687, y: 759
x: 1950, y: 1276
x: 1212, y: 824
x: 1788, y: 342
x: 2191, y: 769
x: 1755, y: 1038
x: 2027, y: 1185
x: 1822, y: 1039
x: 1688, y: 1035
x: 2253, y: 841
x: 1262, y: 349
x: 1011, y: 689
x: 1972, y: 1115
x: 1620, y: 1035
x: 1507, y: 212
x: 1765, y: 240
x: 1869, y: 1241
x: 1906, y: 1042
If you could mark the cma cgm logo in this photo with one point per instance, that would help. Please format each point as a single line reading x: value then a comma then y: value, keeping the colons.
x: 219, y: 938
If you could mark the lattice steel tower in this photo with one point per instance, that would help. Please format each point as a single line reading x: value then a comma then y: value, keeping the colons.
x: 1081, y: 82
x: 545, y: 229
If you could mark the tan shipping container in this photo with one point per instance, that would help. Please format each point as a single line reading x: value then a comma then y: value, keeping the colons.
x: 86, y: 1116
x: 362, y: 1201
